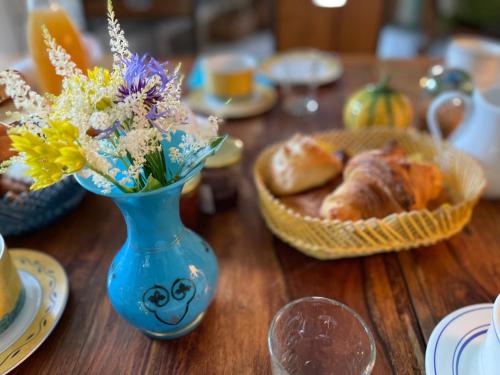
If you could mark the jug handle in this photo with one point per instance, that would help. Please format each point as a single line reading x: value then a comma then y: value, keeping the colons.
x: 432, y: 121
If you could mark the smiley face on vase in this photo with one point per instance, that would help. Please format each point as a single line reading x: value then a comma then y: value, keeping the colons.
x: 170, y: 306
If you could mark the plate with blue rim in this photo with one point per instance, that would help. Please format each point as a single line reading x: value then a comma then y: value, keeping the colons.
x: 453, y: 348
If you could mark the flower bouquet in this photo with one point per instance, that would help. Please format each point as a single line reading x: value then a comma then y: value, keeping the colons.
x: 126, y: 134
x: 117, y: 127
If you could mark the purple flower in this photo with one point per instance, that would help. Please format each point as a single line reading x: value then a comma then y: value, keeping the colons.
x: 154, y: 115
x: 138, y: 72
x: 106, y: 133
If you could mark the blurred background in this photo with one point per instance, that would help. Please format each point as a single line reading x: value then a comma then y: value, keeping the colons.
x: 386, y: 28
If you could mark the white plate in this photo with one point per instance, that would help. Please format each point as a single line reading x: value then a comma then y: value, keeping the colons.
x: 302, y: 67
x: 46, y: 293
x: 262, y: 100
x: 453, y: 346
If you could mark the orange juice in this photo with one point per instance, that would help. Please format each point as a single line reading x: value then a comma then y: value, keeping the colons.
x: 66, y: 35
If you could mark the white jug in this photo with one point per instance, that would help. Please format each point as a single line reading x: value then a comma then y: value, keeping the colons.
x: 478, y: 134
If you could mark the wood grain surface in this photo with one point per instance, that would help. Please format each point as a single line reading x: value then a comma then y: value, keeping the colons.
x: 402, y: 296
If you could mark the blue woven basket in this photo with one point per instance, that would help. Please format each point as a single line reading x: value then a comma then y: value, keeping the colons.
x: 34, y: 209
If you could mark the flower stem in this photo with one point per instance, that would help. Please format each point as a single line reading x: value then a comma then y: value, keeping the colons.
x: 123, y: 188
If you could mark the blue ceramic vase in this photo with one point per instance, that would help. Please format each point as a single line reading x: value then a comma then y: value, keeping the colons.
x: 164, y: 276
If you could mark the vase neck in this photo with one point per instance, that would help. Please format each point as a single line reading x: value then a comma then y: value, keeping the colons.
x: 153, y: 220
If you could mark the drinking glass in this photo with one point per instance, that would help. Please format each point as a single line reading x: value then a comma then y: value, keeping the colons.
x: 319, y: 336
x: 50, y: 14
x: 300, y: 100
x: 300, y: 85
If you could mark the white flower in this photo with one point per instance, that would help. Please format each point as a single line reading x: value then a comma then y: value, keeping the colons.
x: 118, y: 43
x: 21, y: 93
x: 101, y: 182
x: 97, y: 162
x: 202, y: 129
x: 175, y: 155
x: 58, y: 56
x: 100, y: 120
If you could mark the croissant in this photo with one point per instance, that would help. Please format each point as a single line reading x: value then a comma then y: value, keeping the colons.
x: 378, y: 183
x: 300, y: 164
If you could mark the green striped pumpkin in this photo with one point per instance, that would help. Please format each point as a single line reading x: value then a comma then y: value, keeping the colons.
x: 378, y: 105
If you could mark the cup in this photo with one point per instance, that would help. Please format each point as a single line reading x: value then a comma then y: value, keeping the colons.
x: 229, y: 76
x: 11, y: 290
x: 316, y: 335
x: 480, y: 57
x: 490, y: 348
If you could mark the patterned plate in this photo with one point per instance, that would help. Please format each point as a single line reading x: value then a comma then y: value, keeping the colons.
x: 454, y: 343
x: 46, y: 287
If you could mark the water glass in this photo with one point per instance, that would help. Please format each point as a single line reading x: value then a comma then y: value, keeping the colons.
x: 319, y: 336
x: 300, y: 100
x: 300, y: 86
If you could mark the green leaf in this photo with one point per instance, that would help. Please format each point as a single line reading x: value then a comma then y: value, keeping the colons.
x: 151, y: 184
x: 217, y: 143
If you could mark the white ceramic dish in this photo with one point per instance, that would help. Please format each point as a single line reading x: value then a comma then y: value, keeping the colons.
x: 454, y: 345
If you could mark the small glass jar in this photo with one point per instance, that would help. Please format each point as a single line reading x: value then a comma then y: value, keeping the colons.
x: 189, y: 204
x: 219, y: 189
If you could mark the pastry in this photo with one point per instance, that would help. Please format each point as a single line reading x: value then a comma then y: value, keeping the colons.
x: 300, y: 164
x: 378, y: 183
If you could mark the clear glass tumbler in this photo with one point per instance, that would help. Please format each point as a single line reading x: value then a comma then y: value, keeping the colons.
x: 300, y: 81
x: 319, y: 336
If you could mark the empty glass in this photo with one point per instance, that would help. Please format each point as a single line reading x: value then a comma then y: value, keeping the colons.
x: 300, y: 100
x: 299, y: 77
x: 316, y: 335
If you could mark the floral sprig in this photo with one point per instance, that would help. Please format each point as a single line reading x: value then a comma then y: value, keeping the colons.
x: 58, y: 56
x: 118, y: 43
x: 126, y: 128
x: 21, y: 93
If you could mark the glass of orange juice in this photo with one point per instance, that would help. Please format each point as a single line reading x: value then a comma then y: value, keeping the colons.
x: 64, y: 31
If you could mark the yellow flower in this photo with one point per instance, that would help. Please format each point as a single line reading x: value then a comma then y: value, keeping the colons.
x: 72, y: 158
x: 103, y: 103
x: 61, y: 133
x: 100, y: 77
x: 50, y: 155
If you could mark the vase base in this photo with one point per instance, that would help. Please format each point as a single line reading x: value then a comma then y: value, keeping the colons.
x: 176, y: 334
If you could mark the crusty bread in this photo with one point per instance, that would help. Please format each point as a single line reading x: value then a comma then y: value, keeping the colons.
x: 300, y: 164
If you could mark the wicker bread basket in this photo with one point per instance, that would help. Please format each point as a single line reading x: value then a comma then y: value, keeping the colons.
x: 331, y: 239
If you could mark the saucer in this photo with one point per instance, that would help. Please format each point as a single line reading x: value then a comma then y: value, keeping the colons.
x: 46, y: 292
x: 302, y: 67
x: 262, y: 100
x: 453, y: 348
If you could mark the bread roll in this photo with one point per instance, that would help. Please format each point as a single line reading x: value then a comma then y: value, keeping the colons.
x: 300, y: 164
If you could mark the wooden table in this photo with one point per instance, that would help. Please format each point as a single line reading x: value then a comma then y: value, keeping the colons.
x: 402, y: 295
